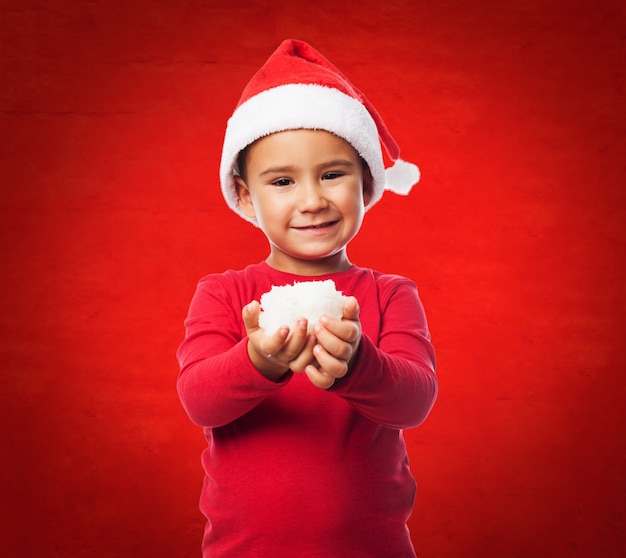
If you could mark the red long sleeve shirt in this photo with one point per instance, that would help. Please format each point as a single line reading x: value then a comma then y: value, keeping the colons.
x: 291, y: 469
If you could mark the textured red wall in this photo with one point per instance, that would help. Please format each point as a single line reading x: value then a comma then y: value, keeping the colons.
x: 112, y: 116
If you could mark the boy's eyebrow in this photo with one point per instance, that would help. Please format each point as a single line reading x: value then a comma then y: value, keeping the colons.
x: 338, y: 162
x: 273, y: 170
x: 290, y: 168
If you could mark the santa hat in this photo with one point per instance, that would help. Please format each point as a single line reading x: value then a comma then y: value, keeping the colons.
x: 297, y: 88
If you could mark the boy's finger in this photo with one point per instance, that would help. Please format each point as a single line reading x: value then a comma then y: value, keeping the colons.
x: 250, y: 315
x: 274, y: 344
x: 351, y: 309
x: 329, y: 364
x: 330, y: 330
x: 299, y: 333
x: 299, y: 363
x: 318, y: 378
x: 296, y: 341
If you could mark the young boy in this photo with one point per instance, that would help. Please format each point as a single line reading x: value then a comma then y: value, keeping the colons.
x: 305, y: 454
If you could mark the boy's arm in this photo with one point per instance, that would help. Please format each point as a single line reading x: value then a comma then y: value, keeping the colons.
x: 219, y: 389
x: 394, y: 384
x: 218, y: 382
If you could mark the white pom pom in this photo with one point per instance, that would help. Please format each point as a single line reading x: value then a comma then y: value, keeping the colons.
x: 401, y: 177
x: 283, y: 306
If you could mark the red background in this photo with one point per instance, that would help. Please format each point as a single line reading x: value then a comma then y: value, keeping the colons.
x: 112, y: 116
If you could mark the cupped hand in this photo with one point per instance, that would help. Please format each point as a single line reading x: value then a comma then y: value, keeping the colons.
x: 273, y: 355
x: 337, y: 346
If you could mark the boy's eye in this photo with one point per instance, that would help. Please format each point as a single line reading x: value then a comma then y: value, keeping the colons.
x: 282, y: 182
x: 332, y: 175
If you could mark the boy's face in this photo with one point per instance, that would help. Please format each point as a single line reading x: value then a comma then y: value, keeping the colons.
x: 307, y: 189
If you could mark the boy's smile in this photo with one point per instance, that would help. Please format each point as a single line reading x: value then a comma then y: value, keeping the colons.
x: 317, y: 227
x: 307, y: 189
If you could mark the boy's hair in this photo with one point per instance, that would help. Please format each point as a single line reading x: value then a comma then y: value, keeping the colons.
x: 241, y: 164
x: 297, y: 88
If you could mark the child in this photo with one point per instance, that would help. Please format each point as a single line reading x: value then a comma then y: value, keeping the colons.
x: 305, y: 454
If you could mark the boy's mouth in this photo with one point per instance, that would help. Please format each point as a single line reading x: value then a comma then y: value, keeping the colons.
x: 320, y: 226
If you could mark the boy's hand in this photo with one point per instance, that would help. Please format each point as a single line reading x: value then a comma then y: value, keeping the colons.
x: 275, y: 354
x: 337, y: 346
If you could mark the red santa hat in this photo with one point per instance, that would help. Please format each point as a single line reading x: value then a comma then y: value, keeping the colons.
x: 297, y: 88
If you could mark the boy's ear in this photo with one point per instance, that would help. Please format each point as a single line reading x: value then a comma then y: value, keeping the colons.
x: 244, y: 199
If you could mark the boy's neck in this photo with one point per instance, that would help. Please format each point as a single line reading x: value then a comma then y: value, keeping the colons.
x: 309, y: 268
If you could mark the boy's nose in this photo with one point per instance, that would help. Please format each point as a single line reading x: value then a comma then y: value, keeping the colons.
x: 311, y: 197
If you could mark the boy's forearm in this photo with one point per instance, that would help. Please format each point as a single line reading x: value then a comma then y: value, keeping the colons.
x: 217, y: 390
x: 388, y: 389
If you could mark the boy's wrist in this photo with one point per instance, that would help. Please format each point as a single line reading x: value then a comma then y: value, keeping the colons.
x: 267, y: 368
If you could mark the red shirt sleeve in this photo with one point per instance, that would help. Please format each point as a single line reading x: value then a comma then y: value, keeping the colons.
x: 217, y: 382
x: 394, y: 382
